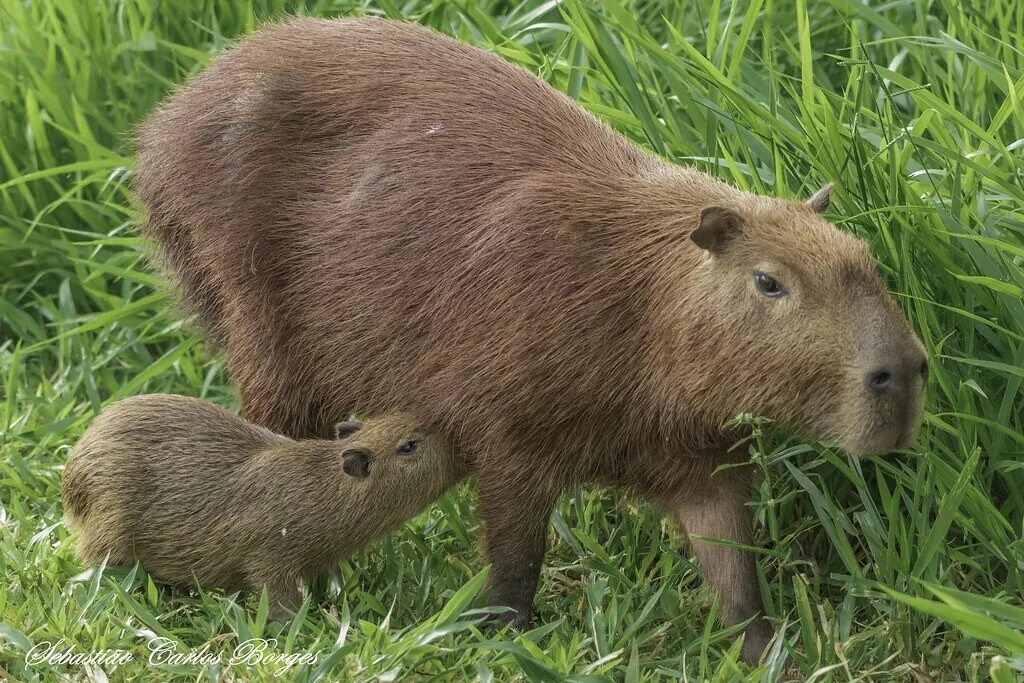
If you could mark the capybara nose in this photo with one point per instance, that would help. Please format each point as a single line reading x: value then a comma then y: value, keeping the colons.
x: 900, y: 376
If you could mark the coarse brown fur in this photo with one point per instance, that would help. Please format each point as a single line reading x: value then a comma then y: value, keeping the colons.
x: 199, y: 495
x: 477, y: 249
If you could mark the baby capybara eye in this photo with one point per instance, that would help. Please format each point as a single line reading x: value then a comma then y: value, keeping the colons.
x: 408, y: 448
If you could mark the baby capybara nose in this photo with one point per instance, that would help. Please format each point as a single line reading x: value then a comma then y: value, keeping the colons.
x: 897, y: 376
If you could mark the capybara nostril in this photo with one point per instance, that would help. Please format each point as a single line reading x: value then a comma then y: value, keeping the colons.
x: 924, y: 369
x: 880, y: 380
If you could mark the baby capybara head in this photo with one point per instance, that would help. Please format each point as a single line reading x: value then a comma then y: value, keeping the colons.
x: 802, y: 326
x: 391, y: 446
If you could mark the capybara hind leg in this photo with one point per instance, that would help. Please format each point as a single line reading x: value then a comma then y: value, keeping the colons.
x: 719, y: 510
x: 105, y: 548
x: 515, y: 530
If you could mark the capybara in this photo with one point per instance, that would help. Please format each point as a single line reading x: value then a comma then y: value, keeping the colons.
x: 198, y: 495
x: 485, y: 254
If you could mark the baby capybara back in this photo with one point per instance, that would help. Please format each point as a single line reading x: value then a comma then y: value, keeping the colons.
x: 197, y: 494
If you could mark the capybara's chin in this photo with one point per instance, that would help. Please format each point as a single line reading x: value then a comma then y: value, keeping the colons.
x: 881, y: 440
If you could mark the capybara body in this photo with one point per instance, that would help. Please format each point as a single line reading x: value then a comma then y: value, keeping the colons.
x: 199, y: 495
x: 483, y: 252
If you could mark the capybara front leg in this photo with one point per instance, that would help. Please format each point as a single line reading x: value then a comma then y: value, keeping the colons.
x: 276, y: 406
x: 719, y: 510
x: 284, y: 596
x: 515, y: 531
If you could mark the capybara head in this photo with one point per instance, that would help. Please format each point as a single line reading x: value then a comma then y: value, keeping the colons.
x: 395, y: 445
x: 803, y: 328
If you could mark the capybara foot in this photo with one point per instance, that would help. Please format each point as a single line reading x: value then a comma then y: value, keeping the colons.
x: 517, y: 619
x: 755, y: 639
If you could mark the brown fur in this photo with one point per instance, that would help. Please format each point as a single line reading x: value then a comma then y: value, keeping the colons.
x: 484, y: 253
x: 197, y: 494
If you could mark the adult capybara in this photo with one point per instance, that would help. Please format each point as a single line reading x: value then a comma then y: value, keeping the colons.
x: 486, y: 255
x: 198, y: 495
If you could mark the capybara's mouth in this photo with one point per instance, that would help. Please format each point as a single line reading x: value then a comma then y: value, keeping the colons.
x: 886, y: 442
x: 879, y: 441
x: 906, y: 437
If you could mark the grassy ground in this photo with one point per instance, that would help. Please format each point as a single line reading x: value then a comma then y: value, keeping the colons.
x: 906, y: 568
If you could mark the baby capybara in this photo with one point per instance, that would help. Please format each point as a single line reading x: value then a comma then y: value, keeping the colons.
x: 487, y: 255
x: 198, y: 495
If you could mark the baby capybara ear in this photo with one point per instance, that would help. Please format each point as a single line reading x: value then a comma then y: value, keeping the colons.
x: 347, y: 428
x: 356, y: 462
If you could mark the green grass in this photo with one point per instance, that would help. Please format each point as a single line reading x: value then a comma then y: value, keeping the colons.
x: 905, y: 568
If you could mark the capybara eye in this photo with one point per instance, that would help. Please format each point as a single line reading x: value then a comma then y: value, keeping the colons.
x: 768, y: 285
x: 408, y: 448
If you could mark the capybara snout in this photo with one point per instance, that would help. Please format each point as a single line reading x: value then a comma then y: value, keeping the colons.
x: 892, y: 366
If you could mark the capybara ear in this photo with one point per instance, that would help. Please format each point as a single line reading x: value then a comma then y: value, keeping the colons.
x: 347, y: 428
x: 356, y: 462
x: 717, y: 226
x: 820, y: 201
